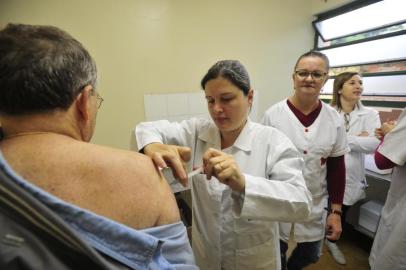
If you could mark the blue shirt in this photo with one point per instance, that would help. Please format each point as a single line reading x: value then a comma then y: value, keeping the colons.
x: 162, y: 247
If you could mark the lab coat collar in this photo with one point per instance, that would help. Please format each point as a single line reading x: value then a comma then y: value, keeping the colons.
x: 356, y: 114
x: 360, y: 109
x: 212, y: 136
x: 244, y: 140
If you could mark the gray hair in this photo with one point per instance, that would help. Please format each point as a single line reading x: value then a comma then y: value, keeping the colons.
x: 42, y: 68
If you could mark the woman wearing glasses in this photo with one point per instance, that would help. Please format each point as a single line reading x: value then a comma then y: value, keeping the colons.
x: 318, y: 133
x: 360, y: 123
x: 254, y: 172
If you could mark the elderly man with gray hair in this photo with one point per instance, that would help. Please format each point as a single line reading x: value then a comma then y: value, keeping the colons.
x: 115, y: 199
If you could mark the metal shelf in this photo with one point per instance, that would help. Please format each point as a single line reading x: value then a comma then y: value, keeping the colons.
x: 385, y: 177
x: 365, y: 231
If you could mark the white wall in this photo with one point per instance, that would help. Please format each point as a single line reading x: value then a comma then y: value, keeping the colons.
x: 166, y: 46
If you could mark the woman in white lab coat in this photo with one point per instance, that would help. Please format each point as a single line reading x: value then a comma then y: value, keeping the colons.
x: 317, y: 132
x: 252, y: 174
x: 360, y: 123
x: 388, y: 250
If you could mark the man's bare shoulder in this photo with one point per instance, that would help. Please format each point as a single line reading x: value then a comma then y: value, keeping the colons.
x: 135, y: 175
x: 130, y: 161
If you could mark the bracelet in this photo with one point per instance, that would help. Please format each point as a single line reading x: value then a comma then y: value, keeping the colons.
x: 334, y: 211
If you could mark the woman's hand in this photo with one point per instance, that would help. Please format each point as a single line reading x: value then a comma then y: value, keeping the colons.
x: 333, y: 227
x: 388, y: 126
x: 378, y: 133
x: 384, y: 129
x: 363, y: 134
x: 224, y: 168
x: 173, y: 156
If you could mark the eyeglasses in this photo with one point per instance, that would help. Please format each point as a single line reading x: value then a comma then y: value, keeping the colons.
x: 316, y: 75
x: 347, y: 118
x: 99, y: 100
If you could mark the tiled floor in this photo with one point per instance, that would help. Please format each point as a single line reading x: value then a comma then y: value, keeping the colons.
x: 356, y: 248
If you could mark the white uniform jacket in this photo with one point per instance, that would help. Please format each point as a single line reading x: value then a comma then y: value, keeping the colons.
x: 233, y: 230
x: 361, y: 119
x: 324, y: 138
x: 389, y: 248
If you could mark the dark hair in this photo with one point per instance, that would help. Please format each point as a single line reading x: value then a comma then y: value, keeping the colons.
x: 338, y: 85
x: 42, y: 68
x: 233, y: 71
x: 314, y: 53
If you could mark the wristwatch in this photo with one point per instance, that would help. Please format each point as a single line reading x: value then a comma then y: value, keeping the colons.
x: 334, y: 211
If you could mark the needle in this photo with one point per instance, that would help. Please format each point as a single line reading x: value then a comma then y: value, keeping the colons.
x: 193, y: 173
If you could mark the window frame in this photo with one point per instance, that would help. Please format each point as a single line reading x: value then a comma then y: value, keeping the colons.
x: 342, y: 10
x: 380, y: 100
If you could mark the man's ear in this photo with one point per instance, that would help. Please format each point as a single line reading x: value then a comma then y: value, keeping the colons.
x: 83, y: 102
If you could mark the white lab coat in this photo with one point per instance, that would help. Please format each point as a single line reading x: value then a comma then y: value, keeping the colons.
x: 361, y: 119
x: 389, y: 248
x: 324, y: 138
x: 233, y: 230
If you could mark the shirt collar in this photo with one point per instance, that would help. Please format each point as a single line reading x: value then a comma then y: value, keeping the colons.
x: 244, y: 140
x: 360, y: 109
x: 211, y: 135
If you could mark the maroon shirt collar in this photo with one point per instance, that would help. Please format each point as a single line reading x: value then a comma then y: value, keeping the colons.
x: 306, y: 120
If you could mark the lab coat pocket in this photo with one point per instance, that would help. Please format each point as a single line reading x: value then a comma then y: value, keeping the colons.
x: 249, y: 226
x: 256, y: 244
x: 264, y: 256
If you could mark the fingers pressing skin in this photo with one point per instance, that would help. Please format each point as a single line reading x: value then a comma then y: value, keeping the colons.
x: 158, y: 160
x: 215, y: 163
x: 224, y: 168
x: 174, y: 156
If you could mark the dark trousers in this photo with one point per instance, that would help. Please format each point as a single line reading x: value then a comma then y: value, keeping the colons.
x: 303, y: 255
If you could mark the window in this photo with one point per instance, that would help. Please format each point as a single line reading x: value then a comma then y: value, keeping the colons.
x: 381, y: 14
x: 367, y: 36
x: 374, y: 51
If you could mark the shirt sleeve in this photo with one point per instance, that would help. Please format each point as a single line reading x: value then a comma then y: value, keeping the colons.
x: 163, y: 131
x: 382, y: 162
x: 340, y: 146
x: 336, y: 179
x: 283, y: 195
x: 393, y: 146
x: 366, y: 144
x: 266, y: 119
